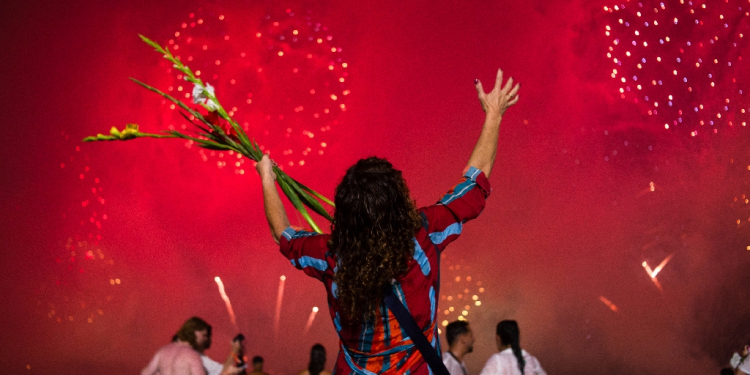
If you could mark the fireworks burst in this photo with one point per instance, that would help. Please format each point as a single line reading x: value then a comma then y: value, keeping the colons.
x: 284, y: 78
x: 83, y: 263
x: 681, y: 61
x: 460, y: 292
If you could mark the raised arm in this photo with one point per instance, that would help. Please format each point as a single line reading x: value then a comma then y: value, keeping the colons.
x: 275, y: 212
x: 494, y: 105
x: 229, y: 365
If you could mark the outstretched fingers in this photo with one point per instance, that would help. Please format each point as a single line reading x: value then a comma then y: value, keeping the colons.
x: 498, y: 79
x: 508, y: 86
x: 514, y: 91
x: 480, y: 93
x: 513, y: 101
x: 478, y: 86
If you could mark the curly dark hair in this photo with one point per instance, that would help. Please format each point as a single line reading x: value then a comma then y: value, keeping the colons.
x: 371, y: 234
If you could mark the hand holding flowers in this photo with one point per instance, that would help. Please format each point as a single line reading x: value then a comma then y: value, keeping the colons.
x: 216, y: 130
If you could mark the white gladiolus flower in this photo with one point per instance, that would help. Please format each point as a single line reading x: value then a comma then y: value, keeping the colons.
x: 200, y: 97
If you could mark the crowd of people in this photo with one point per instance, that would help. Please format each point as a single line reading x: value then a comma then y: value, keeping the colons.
x: 185, y: 354
x: 509, y: 360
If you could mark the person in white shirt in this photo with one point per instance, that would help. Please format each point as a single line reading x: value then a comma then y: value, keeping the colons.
x: 740, y: 363
x: 512, y: 360
x: 215, y: 368
x: 460, y: 342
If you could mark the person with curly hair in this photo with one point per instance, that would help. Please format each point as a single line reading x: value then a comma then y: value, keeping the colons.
x: 379, y: 241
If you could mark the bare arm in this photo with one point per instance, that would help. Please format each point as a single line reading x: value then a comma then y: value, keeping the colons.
x: 229, y: 365
x: 494, y: 105
x: 275, y: 212
x: 153, y: 366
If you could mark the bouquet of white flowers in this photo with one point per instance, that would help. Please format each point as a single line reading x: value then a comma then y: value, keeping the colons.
x: 218, y: 131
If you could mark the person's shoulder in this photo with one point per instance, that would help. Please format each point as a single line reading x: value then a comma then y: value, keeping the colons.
x: 304, y: 372
x: 504, y: 353
x: 527, y: 354
x: 187, y: 351
x: 169, y: 348
x: 504, y: 356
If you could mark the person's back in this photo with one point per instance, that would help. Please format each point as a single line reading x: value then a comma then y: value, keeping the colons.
x: 379, y: 240
x: 505, y: 363
x: 511, y: 360
x: 377, y: 344
x: 175, y: 359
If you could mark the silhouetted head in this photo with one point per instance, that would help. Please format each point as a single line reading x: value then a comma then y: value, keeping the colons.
x: 372, y: 234
x: 258, y: 363
x: 197, y: 333
x: 508, y: 335
x: 317, y: 359
x: 459, y: 332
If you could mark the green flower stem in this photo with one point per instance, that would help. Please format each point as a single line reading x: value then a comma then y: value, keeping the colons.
x: 284, y: 185
x: 102, y: 137
x: 213, y: 137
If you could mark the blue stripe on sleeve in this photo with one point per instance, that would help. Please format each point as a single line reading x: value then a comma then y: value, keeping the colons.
x: 290, y: 234
x: 308, y: 261
x: 438, y: 237
x: 463, y: 187
x: 458, y: 191
x: 421, y: 258
x: 472, y: 173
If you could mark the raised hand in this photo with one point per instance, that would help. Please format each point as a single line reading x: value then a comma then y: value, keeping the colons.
x: 265, y: 167
x: 500, y: 98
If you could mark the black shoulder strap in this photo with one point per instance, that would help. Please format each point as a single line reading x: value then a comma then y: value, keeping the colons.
x: 407, y: 322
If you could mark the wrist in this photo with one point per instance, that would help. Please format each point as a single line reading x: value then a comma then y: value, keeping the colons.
x: 493, y: 118
x: 268, y: 178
